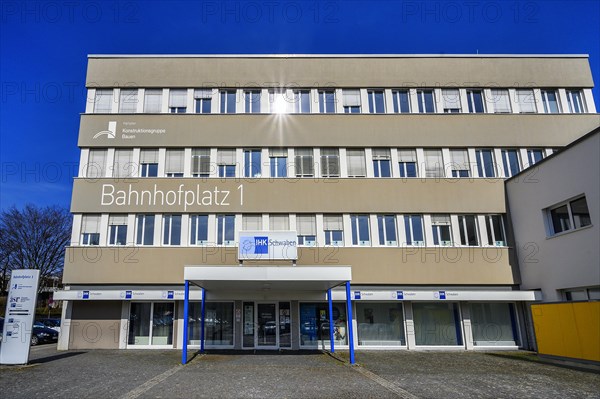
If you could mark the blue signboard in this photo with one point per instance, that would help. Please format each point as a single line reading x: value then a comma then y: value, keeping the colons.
x: 399, y: 294
x: 356, y: 294
x: 442, y: 294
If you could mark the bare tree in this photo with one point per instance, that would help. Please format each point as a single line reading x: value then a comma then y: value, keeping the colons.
x: 34, y: 238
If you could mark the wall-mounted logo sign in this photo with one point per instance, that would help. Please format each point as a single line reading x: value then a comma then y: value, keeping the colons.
x: 272, y: 245
x: 357, y: 295
x: 399, y: 294
x: 110, y: 133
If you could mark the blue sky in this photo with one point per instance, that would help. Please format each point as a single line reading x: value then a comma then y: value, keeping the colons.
x: 43, y: 49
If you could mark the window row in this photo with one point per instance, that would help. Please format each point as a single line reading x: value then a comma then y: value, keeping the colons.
x: 310, y: 162
x: 312, y: 229
x: 373, y: 101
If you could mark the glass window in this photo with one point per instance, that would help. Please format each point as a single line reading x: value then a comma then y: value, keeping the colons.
x: 380, y: 324
x: 460, y: 166
x: 225, y: 229
x: 153, y: 101
x: 475, y: 101
x: 442, y: 230
x: 386, y: 225
x: 162, y: 323
x: 413, y: 228
x: 426, y: 101
x: 360, y: 230
x: 228, y: 101
x: 334, y: 230
x: 437, y: 324
x: 139, y: 323
x: 251, y: 101
x: 510, y: 158
x: 576, y: 295
x: 356, y: 162
x: 434, y: 166
x: 200, y: 162
x: 467, y: 225
x: 149, y: 163
x: 279, y: 102
x: 376, y: 101
x: 174, y: 165
x: 575, y: 101
x: 177, y: 101
x: 203, y: 101
x: 486, y: 167
x: 534, y: 156
x: 580, y: 212
x: 495, y: 230
x: 306, y: 225
x: 252, y: 222
x: 198, y: 229
x: 407, y: 159
x: 326, y: 101
x: 278, y: 162
x: 550, y: 101
x: 493, y: 324
x: 90, y: 230
x: 117, y: 230
x: 451, y: 99
x: 351, y: 101
x: 330, y: 162
x: 128, y: 101
x: 501, y: 101
x: 526, y: 100
x: 145, y: 230
x: 279, y: 222
x: 304, y: 162
x: 252, y: 165
x: 560, y: 219
x: 123, y: 165
x: 96, y: 166
x: 218, y: 323
x: 103, y: 101
x: 382, y: 164
x: 301, y: 101
x: 226, y: 162
x: 401, y: 100
x: 314, y: 324
x: 171, y: 229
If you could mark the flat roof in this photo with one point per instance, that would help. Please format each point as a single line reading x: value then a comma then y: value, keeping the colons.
x: 338, y: 55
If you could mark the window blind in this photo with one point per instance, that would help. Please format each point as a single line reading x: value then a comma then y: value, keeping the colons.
x: 226, y: 157
x: 333, y: 223
x: 501, y: 100
x: 117, y: 220
x: 128, y: 102
x: 356, y: 162
x: 177, y: 98
x: 278, y: 152
x: 351, y: 98
x: 451, y: 98
x: 434, y: 166
x: 460, y: 159
x: 526, y: 100
x: 306, y: 225
x: 103, y: 100
x: 90, y: 224
x: 200, y: 161
x: 440, y: 220
x: 381, y: 153
x: 407, y: 155
x: 202, y: 94
x: 174, y: 161
x: 252, y: 222
x: 330, y: 162
x: 153, y: 101
x: 96, y: 163
x: 123, y: 164
x: 279, y: 222
x: 148, y: 156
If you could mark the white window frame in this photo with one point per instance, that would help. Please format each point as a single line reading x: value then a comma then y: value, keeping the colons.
x: 168, y: 235
x: 414, y: 243
x: 462, y: 226
x: 381, y: 218
x: 355, y: 220
x: 139, y: 241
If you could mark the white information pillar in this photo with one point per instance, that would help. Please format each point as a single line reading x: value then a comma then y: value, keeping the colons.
x: 20, y: 311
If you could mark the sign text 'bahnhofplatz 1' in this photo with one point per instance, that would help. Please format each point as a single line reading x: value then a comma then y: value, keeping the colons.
x: 268, y: 245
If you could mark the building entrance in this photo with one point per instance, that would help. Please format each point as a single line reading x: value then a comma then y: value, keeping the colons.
x: 267, y: 325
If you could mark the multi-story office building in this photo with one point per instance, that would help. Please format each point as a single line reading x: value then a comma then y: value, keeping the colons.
x: 385, y: 171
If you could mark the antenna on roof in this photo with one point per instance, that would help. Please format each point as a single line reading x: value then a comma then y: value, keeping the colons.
x: 477, y: 51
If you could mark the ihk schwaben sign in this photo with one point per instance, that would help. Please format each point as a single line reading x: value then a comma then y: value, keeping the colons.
x: 268, y: 245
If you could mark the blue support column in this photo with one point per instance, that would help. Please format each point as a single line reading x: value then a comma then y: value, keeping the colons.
x: 186, y: 308
x: 331, y: 325
x: 203, y: 314
x: 349, y: 317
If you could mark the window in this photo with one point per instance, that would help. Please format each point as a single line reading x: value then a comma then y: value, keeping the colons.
x: 123, y: 163
x: 451, y: 99
x: 198, y: 229
x: 279, y: 102
x: 252, y: 101
x: 171, y: 229
x: 475, y: 101
x: 225, y: 229
x: 278, y: 162
x: 442, y: 231
x: 575, y: 101
x: 434, y: 166
x: 90, y: 230
x: 301, y: 101
x: 460, y: 166
x: 526, y: 101
x: 279, y: 222
x: 550, y: 101
x: 408, y: 163
x: 103, y: 101
x: 570, y: 215
x: 174, y: 165
x: 226, y: 162
x: 486, y: 166
x: 307, y: 230
x: 510, y: 158
x: 149, y: 163
x: 304, y: 162
x: 252, y: 222
x: 151, y: 323
x: 356, y: 163
x: 200, y: 162
x: 96, y: 166
x: 333, y: 227
x: 376, y: 101
x: 495, y: 230
x: 583, y: 294
x: 426, y: 102
x: 413, y: 228
x: 494, y: 324
x: 117, y: 230
x: 203, y: 101
x: 534, y: 155
x: 252, y: 166
x: 380, y: 324
x: 145, y: 230
x: 386, y: 225
x: 351, y: 101
x: 330, y: 162
x: 326, y: 101
x: 501, y: 101
x: 128, y: 101
x: 401, y: 100
x: 467, y: 225
x: 153, y: 101
x: 360, y: 230
x: 382, y: 164
x: 177, y: 101
x: 228, y: 101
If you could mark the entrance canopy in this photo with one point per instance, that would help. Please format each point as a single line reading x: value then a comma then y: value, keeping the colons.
x: 272, y: 278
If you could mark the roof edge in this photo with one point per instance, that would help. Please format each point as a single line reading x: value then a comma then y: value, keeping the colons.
x: 338, y: 56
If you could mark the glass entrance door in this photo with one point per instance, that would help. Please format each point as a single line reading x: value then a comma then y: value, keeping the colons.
x: 266, y: 325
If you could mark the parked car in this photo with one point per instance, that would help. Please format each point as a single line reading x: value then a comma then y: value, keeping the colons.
x: 54, y: 324
x: 40, y: 335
